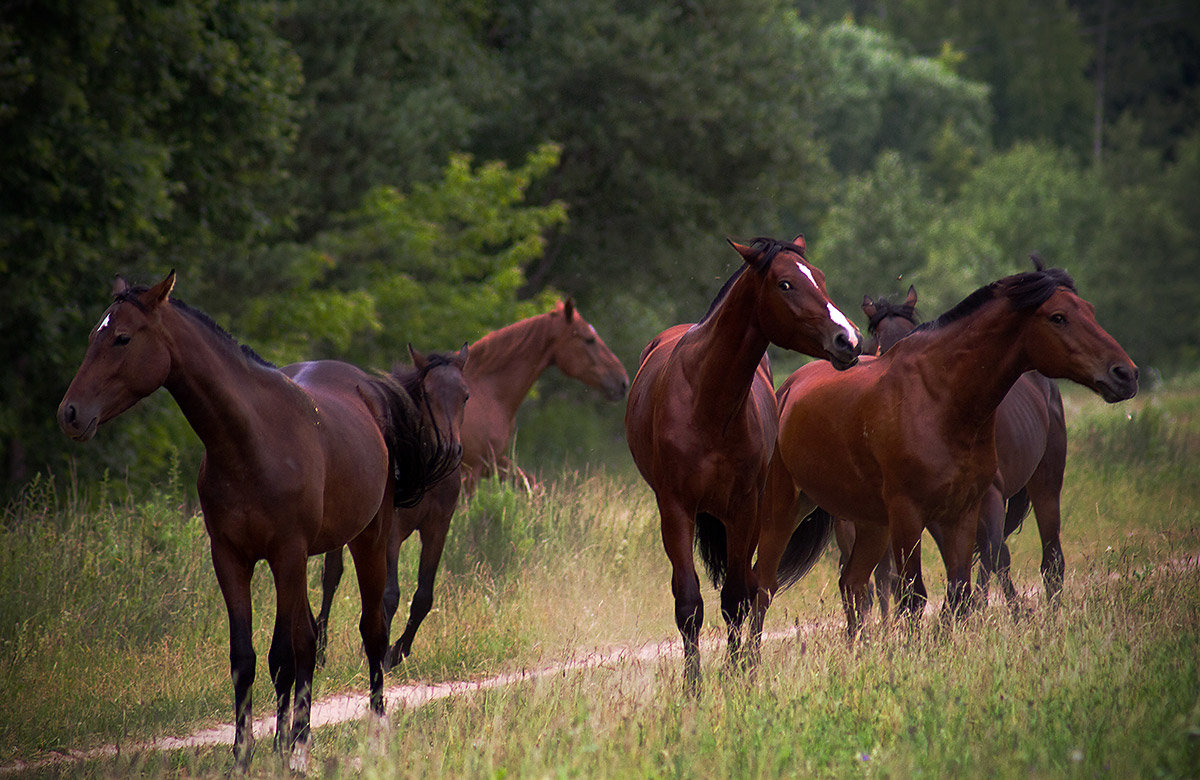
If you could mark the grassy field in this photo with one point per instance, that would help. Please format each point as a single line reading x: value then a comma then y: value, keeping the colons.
x: 112, y: 630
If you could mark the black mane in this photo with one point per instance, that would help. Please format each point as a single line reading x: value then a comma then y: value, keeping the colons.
x: 767, y: 248
x: 885, y: 308
x: 132, y: 295
x: 1023, y: 291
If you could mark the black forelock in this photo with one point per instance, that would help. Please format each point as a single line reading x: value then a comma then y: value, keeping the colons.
x: 885, y: 308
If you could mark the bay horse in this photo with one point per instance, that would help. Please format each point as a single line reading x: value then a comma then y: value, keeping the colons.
x: 701, y: 423
x: 907, y: 439
x: 291, y: 468
x: 1031, y: 451
x: 503, y: 368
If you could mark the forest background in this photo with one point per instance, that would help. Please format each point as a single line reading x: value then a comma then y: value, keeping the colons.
x: 337, y: 180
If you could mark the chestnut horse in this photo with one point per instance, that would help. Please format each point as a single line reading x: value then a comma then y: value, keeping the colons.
x: 701, y: 423
x: 1031, y: 449
x: 908, y: 439
x: 291, y: 468
x: 503, y: 367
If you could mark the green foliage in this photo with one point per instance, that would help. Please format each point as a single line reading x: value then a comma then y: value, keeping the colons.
x: 874, y: 238
x: 132, y: 136
x: 1032, y: 198
x: 1032, y: 54
x: 392, y: 90
x: 878, y: 97
x: 436, y: 267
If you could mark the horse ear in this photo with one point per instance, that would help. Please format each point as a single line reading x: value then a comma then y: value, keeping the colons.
x: 911, y: 300
x: 461, y: 357
x: 868, y: 306
x: 1038, y: 265
x: 119, y: 285
x: 799, y: 241
x: 418, y: 358
x: 159, y: 292
x: 749, y: 254
x: 569, y: 308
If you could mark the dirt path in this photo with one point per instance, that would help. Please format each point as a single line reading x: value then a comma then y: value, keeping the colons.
x: 345, y: 707
x: 341, y: 708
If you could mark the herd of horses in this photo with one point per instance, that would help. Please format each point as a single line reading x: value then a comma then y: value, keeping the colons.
x: 951, y: 426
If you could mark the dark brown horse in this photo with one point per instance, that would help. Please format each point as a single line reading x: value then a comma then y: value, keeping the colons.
x: 1031, y: 450
x: 908, y: 439
x: 503, y: 368
x: 291, y: 468
x: 701, y: 423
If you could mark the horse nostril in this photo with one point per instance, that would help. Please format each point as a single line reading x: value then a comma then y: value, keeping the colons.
x: 69, y: 413
x: 1123, y: 373
x: 842, y: 342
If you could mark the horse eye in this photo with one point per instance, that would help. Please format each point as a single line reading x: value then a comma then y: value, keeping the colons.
x: 1058, y: 318
x: 121, y: 340
x: 785, y: 285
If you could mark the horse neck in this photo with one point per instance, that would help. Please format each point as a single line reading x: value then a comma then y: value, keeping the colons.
x: 216, y: 386
x: 505, y: 363
x: 724, y: 351
x: 974, y: 362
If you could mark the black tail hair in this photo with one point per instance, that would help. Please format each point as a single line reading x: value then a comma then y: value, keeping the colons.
x: 710, y: 543
x: 1016, y: 511
x: 420, y: 454
x: 805, y: 547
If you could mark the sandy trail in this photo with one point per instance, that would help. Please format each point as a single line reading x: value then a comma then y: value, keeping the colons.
x: 345, y: 707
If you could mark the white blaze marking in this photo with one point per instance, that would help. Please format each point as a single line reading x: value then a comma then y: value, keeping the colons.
x: 836, y: 315
x: 804, y: 270
x: 103, y: 323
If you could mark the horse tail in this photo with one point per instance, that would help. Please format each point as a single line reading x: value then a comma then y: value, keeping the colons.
x: 805, y: 546
x: 1016, y: 511
x: 418, y: 456
x: 710, y: 543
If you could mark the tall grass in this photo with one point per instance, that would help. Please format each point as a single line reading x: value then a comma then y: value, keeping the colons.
x: 112, y: 629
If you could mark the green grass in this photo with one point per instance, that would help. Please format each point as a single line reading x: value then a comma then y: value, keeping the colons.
x: 112, y: 630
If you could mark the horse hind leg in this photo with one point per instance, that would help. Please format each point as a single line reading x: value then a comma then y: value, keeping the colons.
x: 990, y: 543
x: 294, y: 617
x: 370, y: 564
x: 282, y: 664
x: 870, y: 543
x: 331, y: 577
x: 433, y: 541
x: 738, y: 592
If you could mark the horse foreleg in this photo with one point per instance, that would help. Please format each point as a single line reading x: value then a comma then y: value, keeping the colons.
x: 233, y: 577
x: 289, y: 566
x: 906, y: 552
x: 870, y: 543
x: 780, y: 511
x: 433, y: 541
x: 741, y: 584
x: 331, y: 577
x: 990, y: 541
x: 282, y: 664
x: 678, y: 532
x: 958, y: 547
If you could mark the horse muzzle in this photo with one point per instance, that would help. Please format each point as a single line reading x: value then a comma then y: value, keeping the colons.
x: 842, y: 351
x: 1120, y: 383
x: 80, y: 425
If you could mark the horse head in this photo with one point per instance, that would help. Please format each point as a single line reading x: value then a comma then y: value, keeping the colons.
x: 889, y: 322
x: 581, y: 354
x: 442, y: 398
x: 127, y: 358
x: 794, y: 309
x: 1063, y: 340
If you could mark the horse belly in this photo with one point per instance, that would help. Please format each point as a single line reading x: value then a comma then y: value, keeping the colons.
x: 1022, y: 427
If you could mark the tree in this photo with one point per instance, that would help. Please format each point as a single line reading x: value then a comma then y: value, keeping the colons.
x: 437, y: 266
x: 132, y: 136
x: 1033, y: 54
x: 877, y: 96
